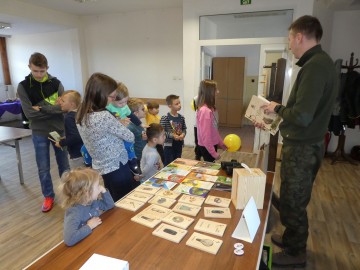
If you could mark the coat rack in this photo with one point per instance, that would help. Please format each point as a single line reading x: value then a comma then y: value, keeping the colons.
x: 340, y: 152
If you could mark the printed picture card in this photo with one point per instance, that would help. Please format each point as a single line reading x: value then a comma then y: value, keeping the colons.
x: 168, y: 193
x: 187, y: 209
x: 146, y: 219
x: 147, y: 189
x: 218, y: 201
x: 204, y: 243
x: 129, y: 204
x: 156, y: 210
x: 205, y: 170
x: 161, y: 183
x: 163, y: 201
x: 184, y: 161
x: 170, y: 233
x: 208, y: 165
x: 139, y: 196
x: 178, y: 220
x: 211, y: 227
x: 197, y: 183
x: 195, y: 200
x: 217, y: 212
x: 191, y: 190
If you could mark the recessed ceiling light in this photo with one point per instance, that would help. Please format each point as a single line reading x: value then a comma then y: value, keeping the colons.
x: 5, y: 25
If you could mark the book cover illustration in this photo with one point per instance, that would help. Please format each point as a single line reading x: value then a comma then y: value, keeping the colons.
x: 217, y: 212
x: 129, y: 204
x: 139, y: 196
x: 147, y: 189
x: 168, y: 193
x: 208, y: 165
x: 218, y: 201
x: 163, y: 201
x: 169, y: 232
x: 256, y: 113
x: 204, y: 243
x: 178, y: 220
x: 187, y: 209
x: 204, y: 170
x: 195, y: 200
x: 184, y: 161
x: 191, y: 190
x: 211, y: 227
x: 161, y: 183
x: 197, y: 183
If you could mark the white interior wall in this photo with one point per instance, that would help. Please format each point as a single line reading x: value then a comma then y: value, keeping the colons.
x: 61, y: 50
x: 143, y: 49
x: 345, y: 41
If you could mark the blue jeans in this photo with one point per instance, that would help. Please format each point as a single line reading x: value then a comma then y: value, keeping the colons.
x: 42, y: 154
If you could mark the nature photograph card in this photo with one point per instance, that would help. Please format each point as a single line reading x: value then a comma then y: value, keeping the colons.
x: 204, y: 170
x: 211, y: 227
x: 156, y: 210
x: 177, y: 167
x: 169, y: 232
x: 129, y: 204
x: 187, y: 209
x: 218, y: 201
x: 161, y: 183
x: 204, y: 243
x: 191, y: 190
x: 146, y: 219
x: 195, y: 200
x: 139, y: 196
x: 217, y: 212
x: 209, y: 165
x: 168, y: 193
x: 197, y: 183
x: 178, y: 220
x: 255, y: 113
x: 163, y: 201
x: 201, y: 176
x: 184, y: 161
x: 170, y: 176
x: 147, y: 189
x: 224, y: 180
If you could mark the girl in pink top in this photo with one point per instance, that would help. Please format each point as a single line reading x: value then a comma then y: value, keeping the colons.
x: 207, y: 121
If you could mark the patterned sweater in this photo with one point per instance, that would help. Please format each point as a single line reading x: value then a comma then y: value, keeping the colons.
x: 104, y: 140
x: 173, y: 125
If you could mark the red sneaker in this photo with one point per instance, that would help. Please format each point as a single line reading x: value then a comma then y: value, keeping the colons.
x: 48, y: 204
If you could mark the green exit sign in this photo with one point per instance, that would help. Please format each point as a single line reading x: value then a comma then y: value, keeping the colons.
x: 245, y: 2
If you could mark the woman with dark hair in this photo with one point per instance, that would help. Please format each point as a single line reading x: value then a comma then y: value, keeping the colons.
x: 104, y: 136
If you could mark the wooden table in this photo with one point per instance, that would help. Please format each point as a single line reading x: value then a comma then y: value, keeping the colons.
x: 9, y: 134
x: 119, y: 237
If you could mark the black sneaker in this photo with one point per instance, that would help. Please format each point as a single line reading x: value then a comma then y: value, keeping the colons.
x: 134, y: 167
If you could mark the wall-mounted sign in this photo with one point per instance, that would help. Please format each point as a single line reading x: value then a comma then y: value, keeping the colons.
x: 245, y: 2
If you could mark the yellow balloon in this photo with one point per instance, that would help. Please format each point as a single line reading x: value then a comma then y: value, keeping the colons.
x: 232, y: 142
x: 192, y: 104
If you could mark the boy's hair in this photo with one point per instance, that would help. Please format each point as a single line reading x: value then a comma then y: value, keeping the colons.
x: 75, y: 97
x: 39, y: 60
x: 170, y: 99
x: 154, y: 131
x: 121, y: 91
x: 77, y: 185
x: 309, y: 26
x: 152, y: 105
x: 97, y: 90
x: 206, y: 94
x: 135, y: 104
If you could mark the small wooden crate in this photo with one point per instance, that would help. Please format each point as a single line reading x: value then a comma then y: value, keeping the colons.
x: 245, y: 185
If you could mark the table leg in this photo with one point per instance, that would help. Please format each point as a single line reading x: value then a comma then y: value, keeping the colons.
x: 18, y: 157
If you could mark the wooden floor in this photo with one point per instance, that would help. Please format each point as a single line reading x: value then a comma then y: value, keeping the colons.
x: 26, y: 232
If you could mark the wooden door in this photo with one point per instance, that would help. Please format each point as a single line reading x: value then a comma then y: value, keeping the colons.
x: 228, y: 72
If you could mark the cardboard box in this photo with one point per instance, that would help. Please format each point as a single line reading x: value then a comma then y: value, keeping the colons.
x: 246, y: 184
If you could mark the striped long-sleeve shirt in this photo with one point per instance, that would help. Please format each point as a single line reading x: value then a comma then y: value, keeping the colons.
x: 171, y: 125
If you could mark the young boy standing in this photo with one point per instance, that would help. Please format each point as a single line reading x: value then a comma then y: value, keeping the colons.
x: 152, y: 116
x: 150, y: 161
x: 175, y: 130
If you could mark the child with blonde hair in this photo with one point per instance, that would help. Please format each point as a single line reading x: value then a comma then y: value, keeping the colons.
x: 119, y: 108
x: 85, y: 199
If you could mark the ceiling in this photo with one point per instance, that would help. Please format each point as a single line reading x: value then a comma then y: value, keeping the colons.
x: 28, y: 25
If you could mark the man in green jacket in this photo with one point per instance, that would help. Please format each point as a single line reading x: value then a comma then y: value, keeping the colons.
x: 305, y: 120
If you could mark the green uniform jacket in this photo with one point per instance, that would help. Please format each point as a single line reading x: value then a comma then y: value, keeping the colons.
x: 311, y: 101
